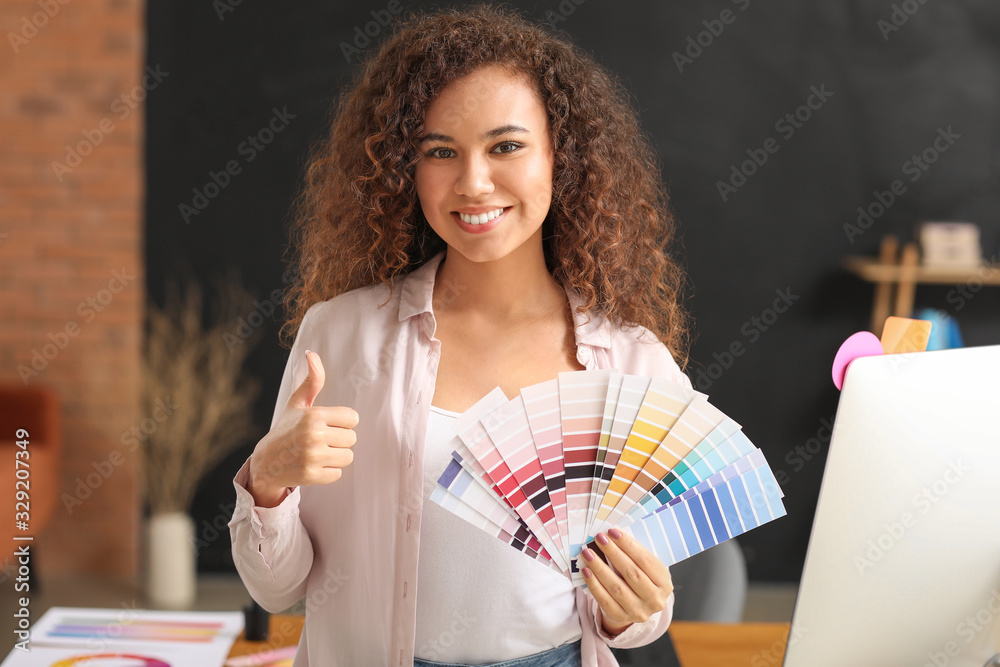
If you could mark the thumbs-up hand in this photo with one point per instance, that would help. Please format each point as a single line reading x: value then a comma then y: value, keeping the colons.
x: 306, y: 445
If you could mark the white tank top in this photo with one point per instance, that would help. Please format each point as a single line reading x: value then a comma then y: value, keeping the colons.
x: 480, y: 600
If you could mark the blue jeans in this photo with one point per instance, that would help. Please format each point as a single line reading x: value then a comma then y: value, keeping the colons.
x: 567, y: 655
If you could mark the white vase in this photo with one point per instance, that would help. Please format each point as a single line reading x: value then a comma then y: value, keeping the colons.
x: 171, y: 558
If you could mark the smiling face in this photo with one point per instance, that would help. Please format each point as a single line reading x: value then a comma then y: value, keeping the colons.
x: 484, y: 177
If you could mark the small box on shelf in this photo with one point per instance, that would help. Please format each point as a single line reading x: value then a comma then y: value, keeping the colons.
x: 896, y: 274
x: 950, y: 245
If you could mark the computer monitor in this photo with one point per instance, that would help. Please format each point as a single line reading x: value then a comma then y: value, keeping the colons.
x: 903, y: 564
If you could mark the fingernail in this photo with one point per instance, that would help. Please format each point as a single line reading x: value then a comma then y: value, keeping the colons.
x: 588, y: 554
x: 615, y: 533
x: 602, y: 539
x: 586, y: 573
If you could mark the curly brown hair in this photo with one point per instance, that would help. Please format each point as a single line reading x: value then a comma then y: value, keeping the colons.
x: 357, y: 220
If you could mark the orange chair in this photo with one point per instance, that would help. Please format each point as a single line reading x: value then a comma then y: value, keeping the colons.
x: 37, y: 411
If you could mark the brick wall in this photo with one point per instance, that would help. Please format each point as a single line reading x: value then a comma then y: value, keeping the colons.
x: 71, y: 273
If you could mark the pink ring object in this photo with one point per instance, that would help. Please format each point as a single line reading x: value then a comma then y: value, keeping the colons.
x: 861, y: 344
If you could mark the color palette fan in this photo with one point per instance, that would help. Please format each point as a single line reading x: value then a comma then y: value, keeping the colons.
x: 547, y: 470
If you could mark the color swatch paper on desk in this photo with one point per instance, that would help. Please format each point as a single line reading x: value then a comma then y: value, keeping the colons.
x: 547, y: 470
x: 158, y: 656
x: 88, y: 637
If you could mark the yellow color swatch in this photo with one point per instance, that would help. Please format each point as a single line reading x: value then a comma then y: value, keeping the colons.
x: 904, y: 335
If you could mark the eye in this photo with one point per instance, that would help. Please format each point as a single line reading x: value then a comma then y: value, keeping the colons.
x: 436, y: 152
x: 508, y: 147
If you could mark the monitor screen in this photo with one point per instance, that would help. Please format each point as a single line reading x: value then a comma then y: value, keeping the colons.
x: 903, y: 565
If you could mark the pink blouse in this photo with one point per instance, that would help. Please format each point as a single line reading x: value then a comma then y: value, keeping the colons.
x: 350, y: 547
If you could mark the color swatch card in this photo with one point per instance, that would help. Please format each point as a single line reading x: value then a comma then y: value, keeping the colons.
x: 66, y: 636
x: 547, y: 470
x: 460, y: 493
x: 738, y: 498
x: 581, y: 405
x: 83, y: 625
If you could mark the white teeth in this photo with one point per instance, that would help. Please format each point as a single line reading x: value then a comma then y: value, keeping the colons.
x: 479, y: 219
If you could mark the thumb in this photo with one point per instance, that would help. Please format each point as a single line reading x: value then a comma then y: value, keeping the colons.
x: 306, y: 392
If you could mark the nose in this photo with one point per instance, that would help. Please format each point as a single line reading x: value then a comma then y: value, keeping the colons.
x: 474, y: 178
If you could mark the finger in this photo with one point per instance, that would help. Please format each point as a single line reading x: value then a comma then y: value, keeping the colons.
x: 321, y: 464
x: 328, y: 475
x: 639, y: 585
x: 319, y: 440
x: 306, y: 392
x: 651, y: 567
x: 596, y: 585
x: 325, y: 475
x: 338, y: 458
x: 340, y: 438
x: 616, y: 587
x: 338, y: 416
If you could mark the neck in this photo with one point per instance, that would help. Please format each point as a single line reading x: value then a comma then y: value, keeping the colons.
x: 515, y: 288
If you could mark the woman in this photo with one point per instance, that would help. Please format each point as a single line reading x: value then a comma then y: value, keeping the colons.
x: 484, y: 213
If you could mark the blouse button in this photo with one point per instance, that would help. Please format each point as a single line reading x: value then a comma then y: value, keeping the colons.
x: 404, y: 589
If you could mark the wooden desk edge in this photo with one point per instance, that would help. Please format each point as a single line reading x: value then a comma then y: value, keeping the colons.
x: 698, y: 644
x: 724, y: 645
x: 282, y: 630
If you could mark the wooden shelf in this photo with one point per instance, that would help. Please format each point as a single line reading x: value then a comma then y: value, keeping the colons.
x: 874, y: 271
x: 896, y: 276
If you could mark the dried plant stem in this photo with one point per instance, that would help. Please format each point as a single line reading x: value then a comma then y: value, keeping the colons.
x: 200, y: 371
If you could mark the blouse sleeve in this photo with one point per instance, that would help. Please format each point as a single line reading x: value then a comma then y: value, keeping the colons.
x: 272, y: 550
x: 637, y: 634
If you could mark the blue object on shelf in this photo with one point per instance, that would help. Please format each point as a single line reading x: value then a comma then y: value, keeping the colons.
x: 944, y: 329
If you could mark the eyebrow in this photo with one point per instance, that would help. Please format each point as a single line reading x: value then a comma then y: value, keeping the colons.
x: 491, y: 134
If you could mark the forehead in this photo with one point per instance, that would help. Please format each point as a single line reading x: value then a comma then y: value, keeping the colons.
x: 483, y: 99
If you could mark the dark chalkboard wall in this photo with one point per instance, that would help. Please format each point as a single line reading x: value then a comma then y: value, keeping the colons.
x: 774, y: 121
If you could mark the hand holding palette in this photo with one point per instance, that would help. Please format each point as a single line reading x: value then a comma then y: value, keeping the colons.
x: 547, y: 470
